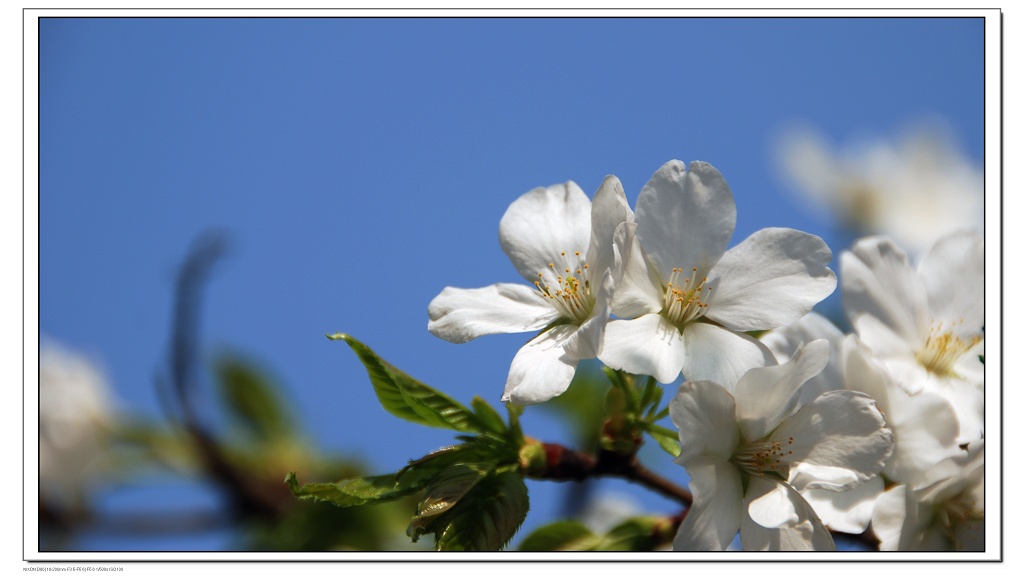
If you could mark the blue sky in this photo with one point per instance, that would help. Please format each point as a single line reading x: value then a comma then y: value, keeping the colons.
x: 359, y: 166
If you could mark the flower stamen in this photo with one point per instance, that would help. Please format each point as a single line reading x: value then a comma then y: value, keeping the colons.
x: 686, y: 301
x: 764, y: 457
x: 943, y: 348
x: 569, y: 294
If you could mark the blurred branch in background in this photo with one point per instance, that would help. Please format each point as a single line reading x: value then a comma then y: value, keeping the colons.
x: 248, y: 496
x: 243, y: 450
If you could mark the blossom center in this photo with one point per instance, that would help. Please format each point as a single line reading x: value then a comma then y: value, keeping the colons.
x: 765, y: 457
x: 944, y: 348
x: 687, y: 300
x: 862, y: 204
x: 568, y: 288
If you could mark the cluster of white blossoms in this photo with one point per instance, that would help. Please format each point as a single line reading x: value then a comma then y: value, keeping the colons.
x: 872, y: 185
x: 917, y: 349
x: 786, y: 438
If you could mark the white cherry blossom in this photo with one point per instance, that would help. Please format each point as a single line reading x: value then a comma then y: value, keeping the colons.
x: 925, y: 425
x: 912, y: 190
x: 925, y: 325
x: 750, y: 455
x: 562, y: 245
x: 685, y: 301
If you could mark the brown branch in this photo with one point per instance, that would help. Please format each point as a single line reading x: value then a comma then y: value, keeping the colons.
x: 563, y: 464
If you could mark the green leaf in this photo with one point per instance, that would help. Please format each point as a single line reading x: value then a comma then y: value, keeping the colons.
x: 515, y: 430
x: 487, y: 517
x: 666, y: 438
x: 448, y: 456
x: 355, y: 492
x: 408, y: 398
x: 661, y: 414
x: 488, y: 417
x: 650, y: 392
x: 252, y: 399
x: 613, y: 376
x: 565, y: 535
x: 624, y: 382
x: 439, y: 454
x: 635, y: 535
x: 444, y: 492
x: 657, y: 392
x: 139, y: 444
x: 449, y: 487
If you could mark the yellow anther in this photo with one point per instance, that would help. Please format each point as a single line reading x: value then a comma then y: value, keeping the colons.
x: 571, y: 296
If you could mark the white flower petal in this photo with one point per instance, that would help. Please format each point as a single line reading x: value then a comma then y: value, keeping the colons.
x: 713, y: 519
x: 960, y: 478
x: 586, y: 343
x: 685, y: 219
x: 459, y: 315
x: 924, y: 424
x: 889, y: 517
x: 878, y: 281
x: 609, y: 210
x: 541, y: 224
x: 767, y: 395
x: 926, y: 429
x: 838, y: 442
x: 969, y: 367
x: 769, y: 504
x: 784, y: 341
x: 639, y: 292
x: 953, y: 274
x: 705, y: 415
x: 648, y: 345
x: 807, y: 533
x: 848, y: 511
x: 541, y: 369
x: 771, y: 279
x: 910, y: 189
x: 720, y: 355
x: 865, y: 373
x: 908, y: 374
x: 968, y: 401
x: 951, y: 495
x: 882, y: 339
x: 811, y: 164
